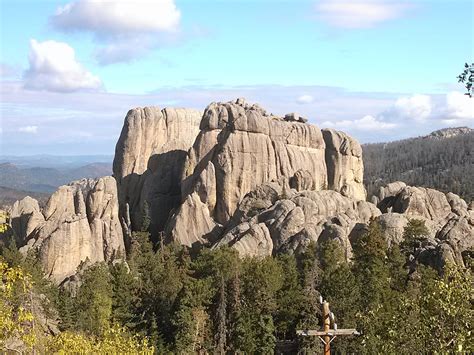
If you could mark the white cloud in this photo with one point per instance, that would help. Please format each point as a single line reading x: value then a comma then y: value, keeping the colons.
x: 459, y: 106
x: 126, y: 29
x: 416, y: 107
x: 358, y: 14
x: 366, y: 123
x: 305, y: 99
x: 28, y: 129
x: 53, y: 67
x: 118, y: 17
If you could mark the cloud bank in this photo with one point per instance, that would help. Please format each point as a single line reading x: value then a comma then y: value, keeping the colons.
x: 90, y: 122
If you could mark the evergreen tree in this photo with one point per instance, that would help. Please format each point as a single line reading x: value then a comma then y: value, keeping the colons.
x: 261, y: 280
x: 221, y: 319
x: 413, y: 235
x: 67, y: 310
x: 159, y: 279
x: 146, y: 220
x: 236, y: 333
x: 94, y: 300
x: 290, y: 299
x: 310, y: 278
x: 190, y: 320
x: 124, y: 297
x: 372, y: 274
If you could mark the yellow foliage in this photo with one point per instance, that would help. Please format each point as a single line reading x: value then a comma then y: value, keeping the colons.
x: 114, y: 341
x: 15, y: 320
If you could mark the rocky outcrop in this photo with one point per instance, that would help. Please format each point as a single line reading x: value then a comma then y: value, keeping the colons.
x: 449, y: 132
x: 79, y: 222
x: 447, y: 216
x: 344, y: 163
x: 234, y: 147
x: 148, y: 163
x: 270, y: 220
x: 240, y: 147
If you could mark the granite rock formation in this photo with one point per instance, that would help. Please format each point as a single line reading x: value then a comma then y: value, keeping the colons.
x: 449, y: 218
x: 241, y: 146
x: 270, y: 220
x: 79, y: 222
x: 344, y: 163
x: 149, y: 157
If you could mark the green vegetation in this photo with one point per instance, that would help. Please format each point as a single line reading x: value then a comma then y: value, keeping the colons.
x: 445, y: 164
x: 467, y: 78
x: 168, y: 301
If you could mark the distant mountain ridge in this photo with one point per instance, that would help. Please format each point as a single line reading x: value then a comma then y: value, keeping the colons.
x: 443, y: 160
x: 55, y: 161
x: 22, y: 181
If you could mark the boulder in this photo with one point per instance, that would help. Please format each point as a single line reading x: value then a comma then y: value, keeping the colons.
x: 193, y: 225
x: 296, y: 220
x: 393, y: 226
x: 419, y: 202
x: 249, y: 240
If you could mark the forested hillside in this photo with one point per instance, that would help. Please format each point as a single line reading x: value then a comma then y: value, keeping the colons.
x: 443, y: 160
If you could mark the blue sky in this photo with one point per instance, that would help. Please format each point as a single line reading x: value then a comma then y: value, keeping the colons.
x: 377, y: 69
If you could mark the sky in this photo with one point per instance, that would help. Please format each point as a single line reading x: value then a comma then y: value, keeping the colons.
x: 380, y: 70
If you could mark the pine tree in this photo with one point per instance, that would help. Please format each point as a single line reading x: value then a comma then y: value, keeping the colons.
x: 124, y: 296
x: 94, y: 300
x: 290, y: 299
x: 146, y: 219
x: 221, y: 319
x: 236, y: 332
x: 190, y: 320
x: 413, y: 235
x: 67, y: 310
x: 372, y: 274
x: 310, y: 279
x: 261, y: 280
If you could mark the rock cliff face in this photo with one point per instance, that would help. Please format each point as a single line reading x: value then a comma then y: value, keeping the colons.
x: 26, y: 216
x: 239, y: 148
x: 344, y: 162
x: 149, y: 157
x: 79, y: 222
